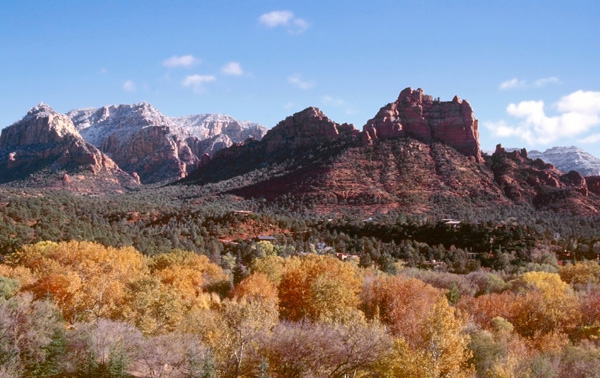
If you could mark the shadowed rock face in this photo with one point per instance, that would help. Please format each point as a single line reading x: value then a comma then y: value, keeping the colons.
x: 44, y: 139
x: 419, y: 116
x: 305, y: 128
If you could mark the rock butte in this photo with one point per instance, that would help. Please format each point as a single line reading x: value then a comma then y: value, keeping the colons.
x: 417, y: 115
x: 413, y: 114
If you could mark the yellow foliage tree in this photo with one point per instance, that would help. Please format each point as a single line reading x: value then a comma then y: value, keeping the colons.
x: 272, y: 266
x: 545, y: 304
x: 188, y: 275
x: 439, y: 350
x: 256, y: 286
x: 86, y: 280
x: 442, y: 342
x: 581, y: 273
x: 318, y: 287
x: 154, y: 307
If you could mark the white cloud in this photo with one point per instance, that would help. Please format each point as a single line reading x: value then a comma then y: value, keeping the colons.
x: 297, y: 80
x: 512, y: 84
x: 285, y: 19
x: 276, y: 18
x: 587, y: 102
x: 577, y: 114
x: 181, y: 61
x: 232, y: 69
x: 196, y: 82
x: 545, y: 81
x: 522, y: 84
x: 129, y: 86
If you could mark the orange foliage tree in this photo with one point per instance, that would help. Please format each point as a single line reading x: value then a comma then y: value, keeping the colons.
x: 318, y: 287
x: 85, y: 279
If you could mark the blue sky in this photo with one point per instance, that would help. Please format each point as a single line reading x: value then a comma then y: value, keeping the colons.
x: 528, y: 68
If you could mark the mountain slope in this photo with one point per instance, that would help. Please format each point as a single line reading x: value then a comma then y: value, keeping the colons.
x: 45, y: 142
x: 417, y: 155
x: 569, y: 159
x: 157, y: 148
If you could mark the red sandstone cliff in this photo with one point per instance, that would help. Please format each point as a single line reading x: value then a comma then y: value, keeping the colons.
x: 46, y: 140
x: 306, y: 128
x: 419, y: 116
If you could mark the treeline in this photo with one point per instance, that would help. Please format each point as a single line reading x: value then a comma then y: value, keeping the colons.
x: 156, y: 221
x: 80, y: 309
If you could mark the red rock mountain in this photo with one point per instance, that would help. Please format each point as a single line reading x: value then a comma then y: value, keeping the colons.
x: 45, y: 141
x: 306, y: 128
x: 417, y: 154
x: 419, y: 116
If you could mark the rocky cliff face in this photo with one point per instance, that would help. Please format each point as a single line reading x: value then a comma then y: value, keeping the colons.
x: 208, y: 126
x: 143, y: 141
x: 419, y: 116
x: 569, y: 159
x: 418, y: 154
x: 306, y: 128
x: 46, y: 140
x: 541, y: 184
x: 139, y: 139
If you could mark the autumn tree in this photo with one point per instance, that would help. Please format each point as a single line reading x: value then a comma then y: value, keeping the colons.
x: 154, y: 307
x: 256, y: 287
x: 86, y: 280
x: 188, y: 274
x: 545, y: 304
x: 401, y: 303
x: 581, y: 273
x: 318, y: 287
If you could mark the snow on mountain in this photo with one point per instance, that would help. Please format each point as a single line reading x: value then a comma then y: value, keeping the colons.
x: 123, y: 121
x: 205, y: 126
x: 569, y: 159
x: 156, y: 147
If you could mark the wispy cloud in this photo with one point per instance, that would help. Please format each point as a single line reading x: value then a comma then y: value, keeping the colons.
x: 512, y: 84
x: 184, y: 61
x: 546, y: 81
x: 329, y: 100
x: 299, y: 82
x: 196, y: 82
x: 284, y: 19
x: 232, y: 69
x: 515, y: 83
x: 129, y: 86
x: 577, y: 114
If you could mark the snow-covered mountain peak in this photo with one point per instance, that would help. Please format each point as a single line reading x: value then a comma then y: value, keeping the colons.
x: 124, y: 121
x: 570, y: 158
x: 205, y: 126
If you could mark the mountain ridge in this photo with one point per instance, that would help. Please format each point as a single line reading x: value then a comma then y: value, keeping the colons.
x: 417, y: 154
x: 156, y: 147
x: 44, y: 140
x: 569, y: 158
